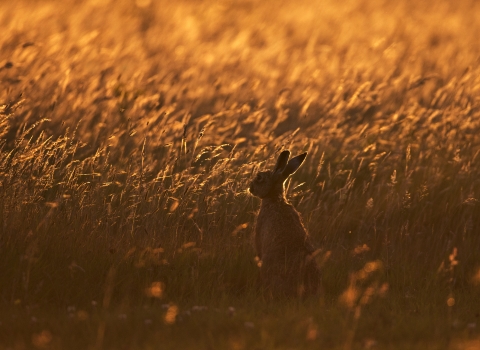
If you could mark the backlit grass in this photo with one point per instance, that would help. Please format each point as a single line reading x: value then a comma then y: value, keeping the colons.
x: 129, y: 132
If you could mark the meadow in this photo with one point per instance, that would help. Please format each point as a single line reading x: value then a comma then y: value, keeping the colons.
x: 130, y: 131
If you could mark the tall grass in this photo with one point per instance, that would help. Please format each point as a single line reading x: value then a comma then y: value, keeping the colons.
x: 129, y: 133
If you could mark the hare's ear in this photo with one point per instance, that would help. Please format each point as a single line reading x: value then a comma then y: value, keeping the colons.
x: 293, y: 165
x: 281, y: 162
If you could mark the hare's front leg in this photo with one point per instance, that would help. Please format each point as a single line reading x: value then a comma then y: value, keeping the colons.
x: 258, y: 241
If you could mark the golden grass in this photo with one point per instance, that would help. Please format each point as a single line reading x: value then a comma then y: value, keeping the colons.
x: 129, y: 132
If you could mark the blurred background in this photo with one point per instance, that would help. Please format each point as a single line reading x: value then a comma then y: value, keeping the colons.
x: 216, y: 53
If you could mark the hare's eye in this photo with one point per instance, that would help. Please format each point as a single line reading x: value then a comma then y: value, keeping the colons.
x: 259, y: 178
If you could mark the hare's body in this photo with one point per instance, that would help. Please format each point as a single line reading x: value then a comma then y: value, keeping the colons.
x: 282, y: 243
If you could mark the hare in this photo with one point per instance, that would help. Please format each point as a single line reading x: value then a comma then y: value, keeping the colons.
x: 287, y: 266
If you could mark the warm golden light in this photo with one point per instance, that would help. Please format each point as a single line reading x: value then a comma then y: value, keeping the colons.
x: 155, y: 290
x: 451, y: 301
x: 476, y: 277
x: 42, y: 340
x: 131, y: 131
x: 171, y: 315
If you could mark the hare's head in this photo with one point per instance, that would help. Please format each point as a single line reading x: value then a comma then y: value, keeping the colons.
x: 270, y: 183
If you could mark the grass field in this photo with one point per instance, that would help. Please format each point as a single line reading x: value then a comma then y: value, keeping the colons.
x: 130, y: 130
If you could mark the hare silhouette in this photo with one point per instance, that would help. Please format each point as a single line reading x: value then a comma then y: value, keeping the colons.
x: 287, y: 264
